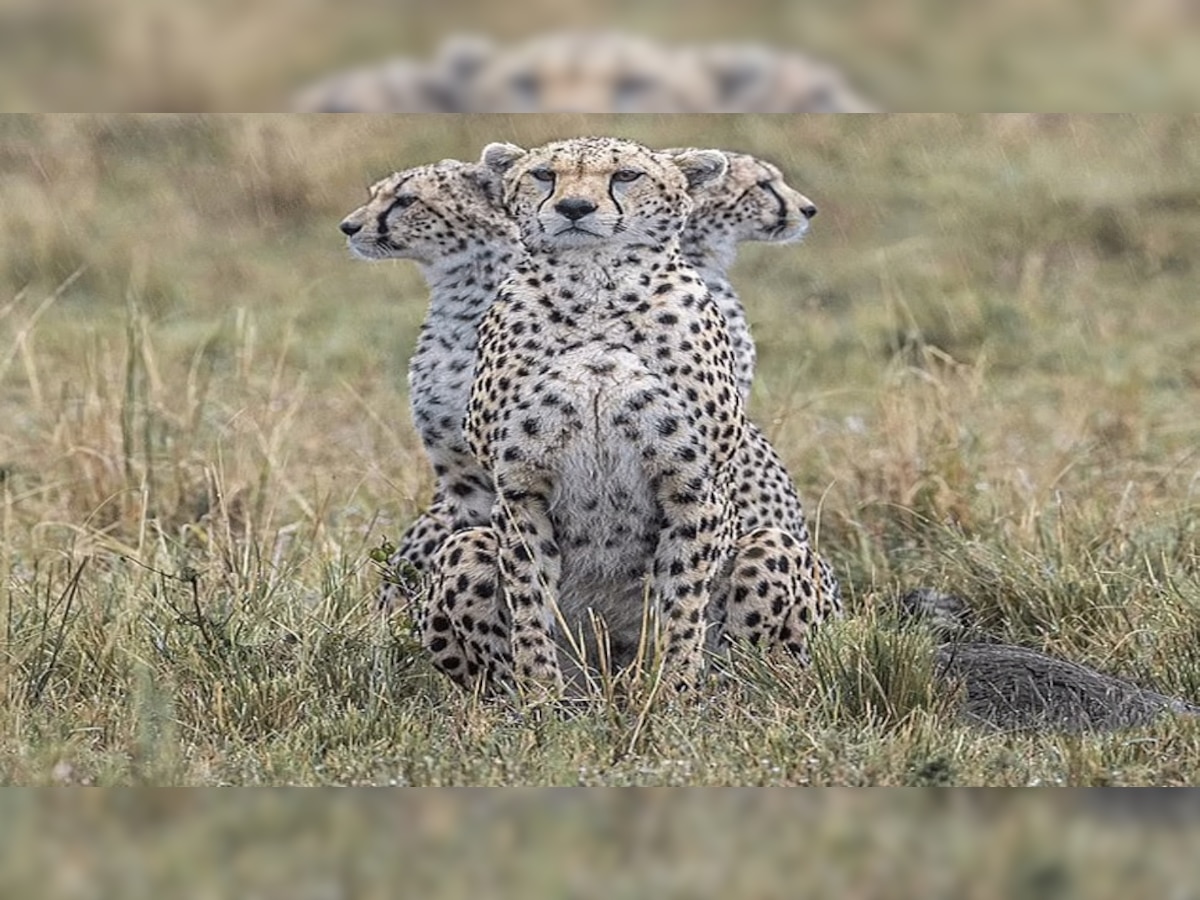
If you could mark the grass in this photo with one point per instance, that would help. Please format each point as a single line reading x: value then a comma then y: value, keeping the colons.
x: 980, y: 370
x: 977, y: 845
x: 1081, y: 55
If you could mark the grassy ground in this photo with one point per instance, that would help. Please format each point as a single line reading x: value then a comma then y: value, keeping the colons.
x: 1082, y: 55
x: 976, y: 845
x: 981, y: 370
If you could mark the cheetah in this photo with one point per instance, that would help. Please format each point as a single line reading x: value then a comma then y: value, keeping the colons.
x: 402, y: 84
x: 751, y: 78
x: 464, y: 260
x: 586, y: 71
x: 447, y: 218
x: 753, y: 203
x: 611, y: 457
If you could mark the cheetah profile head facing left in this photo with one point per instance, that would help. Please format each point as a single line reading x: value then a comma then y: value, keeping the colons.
x: 428, y: 212
x: 585, y: 193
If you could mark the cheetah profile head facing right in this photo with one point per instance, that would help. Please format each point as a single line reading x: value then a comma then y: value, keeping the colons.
x: 586, y: 71
x: 754, y: 202
x: 585, y: 193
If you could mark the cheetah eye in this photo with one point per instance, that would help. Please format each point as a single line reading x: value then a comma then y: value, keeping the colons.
x: 626, y: 175
x: 545, y: 175
x: 404, y: 201
x: 766, y: 183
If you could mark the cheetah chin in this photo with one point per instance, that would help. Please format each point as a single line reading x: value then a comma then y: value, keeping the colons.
x: 372, y: 251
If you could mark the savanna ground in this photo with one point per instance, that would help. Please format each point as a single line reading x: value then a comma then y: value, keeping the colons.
x: 304, y: 845
x: 926, y: 55
x: 981, y: 370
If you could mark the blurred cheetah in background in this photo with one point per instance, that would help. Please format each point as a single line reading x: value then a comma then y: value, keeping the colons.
x: 587, y: 71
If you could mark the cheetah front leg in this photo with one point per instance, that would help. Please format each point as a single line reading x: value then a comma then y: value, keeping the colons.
x: 774, y: 593
x: 464, y: 623
x: 421, y: 540
x: 684, y: 565
x: 467, y: 504
x: 407, y: 569
x: 530, y: 574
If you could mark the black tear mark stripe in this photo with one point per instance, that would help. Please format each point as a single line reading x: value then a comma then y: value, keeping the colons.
x: 783, y: 216
x: 617, y: 203
x: 549, y: 196
x: 767, y: 184
x: 381, y: 219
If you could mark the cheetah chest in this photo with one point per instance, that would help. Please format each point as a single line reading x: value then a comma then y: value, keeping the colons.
x: 603, y: 506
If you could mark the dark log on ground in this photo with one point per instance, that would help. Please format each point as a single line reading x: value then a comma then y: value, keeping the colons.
x: 1009, y: 687
x: 1012, y: 687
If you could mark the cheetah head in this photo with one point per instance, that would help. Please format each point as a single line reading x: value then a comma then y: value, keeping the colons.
x: 590, y: 192
x: 428, y: 213
x: 590, y: 72
x: 755, y: 78
x: 752, y: 203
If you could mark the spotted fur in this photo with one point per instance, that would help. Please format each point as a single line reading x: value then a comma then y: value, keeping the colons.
x: 446, y: 217
x: 583, y: 516
x: 752, y: 78
x: 608, y: 456
x: 753, y: 203
x: 587, y: 71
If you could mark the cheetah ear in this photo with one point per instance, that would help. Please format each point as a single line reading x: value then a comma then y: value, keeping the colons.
x: 702, y: 168
x: 501, y: 157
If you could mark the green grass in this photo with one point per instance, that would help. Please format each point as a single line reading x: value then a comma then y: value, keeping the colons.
x: 980, y: 369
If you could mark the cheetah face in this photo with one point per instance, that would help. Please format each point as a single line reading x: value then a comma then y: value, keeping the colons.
x: 427, y: 213
x: 591, y: 192
x: 590, y: 72
x: 753, y: 203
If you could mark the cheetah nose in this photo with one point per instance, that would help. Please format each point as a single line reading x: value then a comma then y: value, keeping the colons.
x: 350, y: 228
x: 574, y: 208
x: 808, y: 211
